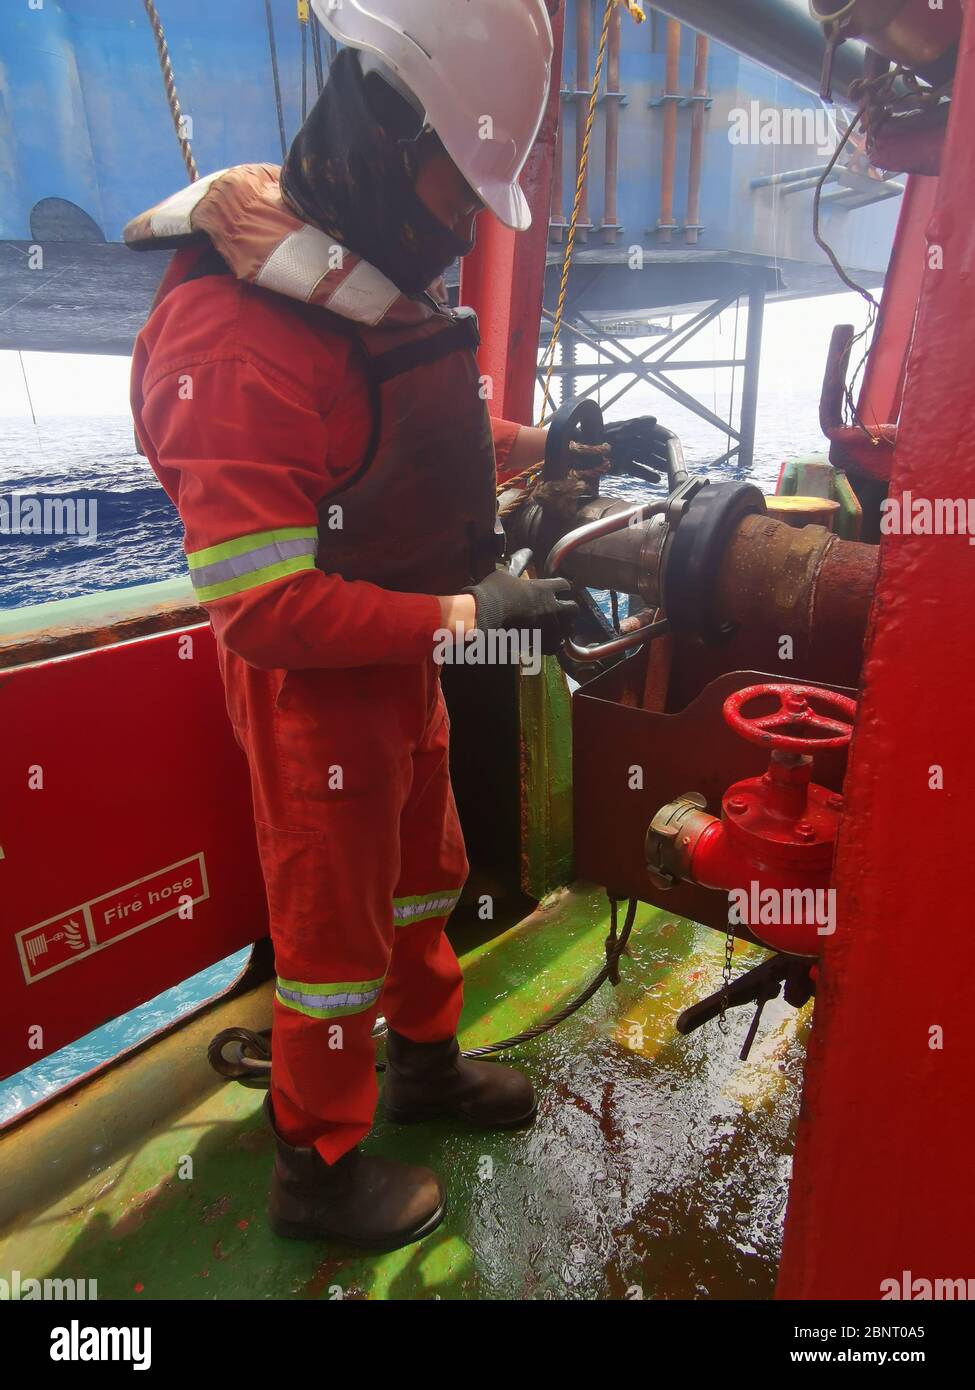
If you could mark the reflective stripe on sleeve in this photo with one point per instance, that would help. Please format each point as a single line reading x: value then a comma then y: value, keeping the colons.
x: 244, y: 563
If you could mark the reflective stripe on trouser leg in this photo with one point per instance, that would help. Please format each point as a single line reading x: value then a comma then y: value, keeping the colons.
x: 407, y: 911
x: 328, y: 1000
x: 332, y: 950
x: 333, y: 860
x: 433, y: 871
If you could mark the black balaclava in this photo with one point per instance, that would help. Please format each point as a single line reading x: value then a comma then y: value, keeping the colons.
x: 351, y: 171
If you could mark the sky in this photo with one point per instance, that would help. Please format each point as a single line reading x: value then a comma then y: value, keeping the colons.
x: 64, y: 383
x: 794, y: 350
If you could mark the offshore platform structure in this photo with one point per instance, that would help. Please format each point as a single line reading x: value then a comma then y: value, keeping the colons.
x: 696, y: 198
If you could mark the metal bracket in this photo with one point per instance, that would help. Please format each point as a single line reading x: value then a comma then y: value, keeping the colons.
x: 680, y: 499
x: 697, y: 548
x: 595, y: 530
x: 663, y: 863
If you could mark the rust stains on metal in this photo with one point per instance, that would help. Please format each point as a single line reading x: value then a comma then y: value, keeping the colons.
x: 145, y: 1203
x: 66, y: 638
x: 215, y: 1210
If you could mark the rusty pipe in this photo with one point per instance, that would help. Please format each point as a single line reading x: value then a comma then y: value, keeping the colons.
x: 774, y: 579
x: 611, y: 171
x: 692, y: 222
x: 805, y: 583
x: 666, y: 224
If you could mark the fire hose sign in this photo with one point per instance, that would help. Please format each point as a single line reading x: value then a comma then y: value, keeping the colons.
x: 100, y: 922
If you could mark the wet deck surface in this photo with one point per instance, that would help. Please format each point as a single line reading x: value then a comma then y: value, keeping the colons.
x: 657, y: 1167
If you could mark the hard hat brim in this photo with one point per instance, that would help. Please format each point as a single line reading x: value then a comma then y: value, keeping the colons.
x: 508, y: 203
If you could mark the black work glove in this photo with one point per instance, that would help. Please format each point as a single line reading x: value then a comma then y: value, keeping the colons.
x: 503, y: 602
x: 637, y: 447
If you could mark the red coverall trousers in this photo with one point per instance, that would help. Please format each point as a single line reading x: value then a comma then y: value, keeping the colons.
x: 363, y: 861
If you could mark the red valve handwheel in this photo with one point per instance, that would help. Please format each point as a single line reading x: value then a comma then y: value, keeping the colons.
x: 794, y: 712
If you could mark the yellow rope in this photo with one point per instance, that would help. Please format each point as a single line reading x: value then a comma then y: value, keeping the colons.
x: 637, y: 14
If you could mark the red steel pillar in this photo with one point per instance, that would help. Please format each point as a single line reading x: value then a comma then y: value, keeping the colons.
x: 504, y: 276
x: 882, y: 1186
x: 883, y: 379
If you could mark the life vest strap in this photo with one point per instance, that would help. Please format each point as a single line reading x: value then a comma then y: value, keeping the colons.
x: 462, y: 333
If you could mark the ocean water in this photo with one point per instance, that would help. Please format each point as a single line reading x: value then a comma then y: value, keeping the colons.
x: 138, y: 540
x: 138, y: 537
x: 49, y: 1074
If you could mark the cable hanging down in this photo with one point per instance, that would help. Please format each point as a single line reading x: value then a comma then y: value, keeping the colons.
x: 251, y: 1059
x: 878, y: 97
x: 273, y: 49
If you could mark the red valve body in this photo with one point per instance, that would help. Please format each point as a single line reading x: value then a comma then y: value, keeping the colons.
x: 773, y: 845
x: 777, y: 831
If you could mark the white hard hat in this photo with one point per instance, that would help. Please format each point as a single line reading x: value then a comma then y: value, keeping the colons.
x: 480, y: 69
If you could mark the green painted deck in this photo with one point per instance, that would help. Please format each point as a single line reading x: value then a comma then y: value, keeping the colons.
x: 657, y: 1167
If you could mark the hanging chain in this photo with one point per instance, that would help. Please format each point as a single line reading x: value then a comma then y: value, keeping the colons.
x: 169, y: 79
x: 729, y: 952
x: 549, y: 357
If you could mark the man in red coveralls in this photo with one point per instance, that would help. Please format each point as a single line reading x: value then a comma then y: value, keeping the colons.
x: 314, y: 410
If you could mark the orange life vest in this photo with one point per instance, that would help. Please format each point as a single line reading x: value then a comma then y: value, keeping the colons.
x: 420, y: 515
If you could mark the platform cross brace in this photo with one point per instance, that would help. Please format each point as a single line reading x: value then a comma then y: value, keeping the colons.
x: 676, y: 337
x: 652, y: 367
x: 653, y: 373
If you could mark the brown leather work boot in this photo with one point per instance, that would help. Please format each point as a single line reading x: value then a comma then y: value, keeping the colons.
x: 425, y: 1081
x: 360, y: 1200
